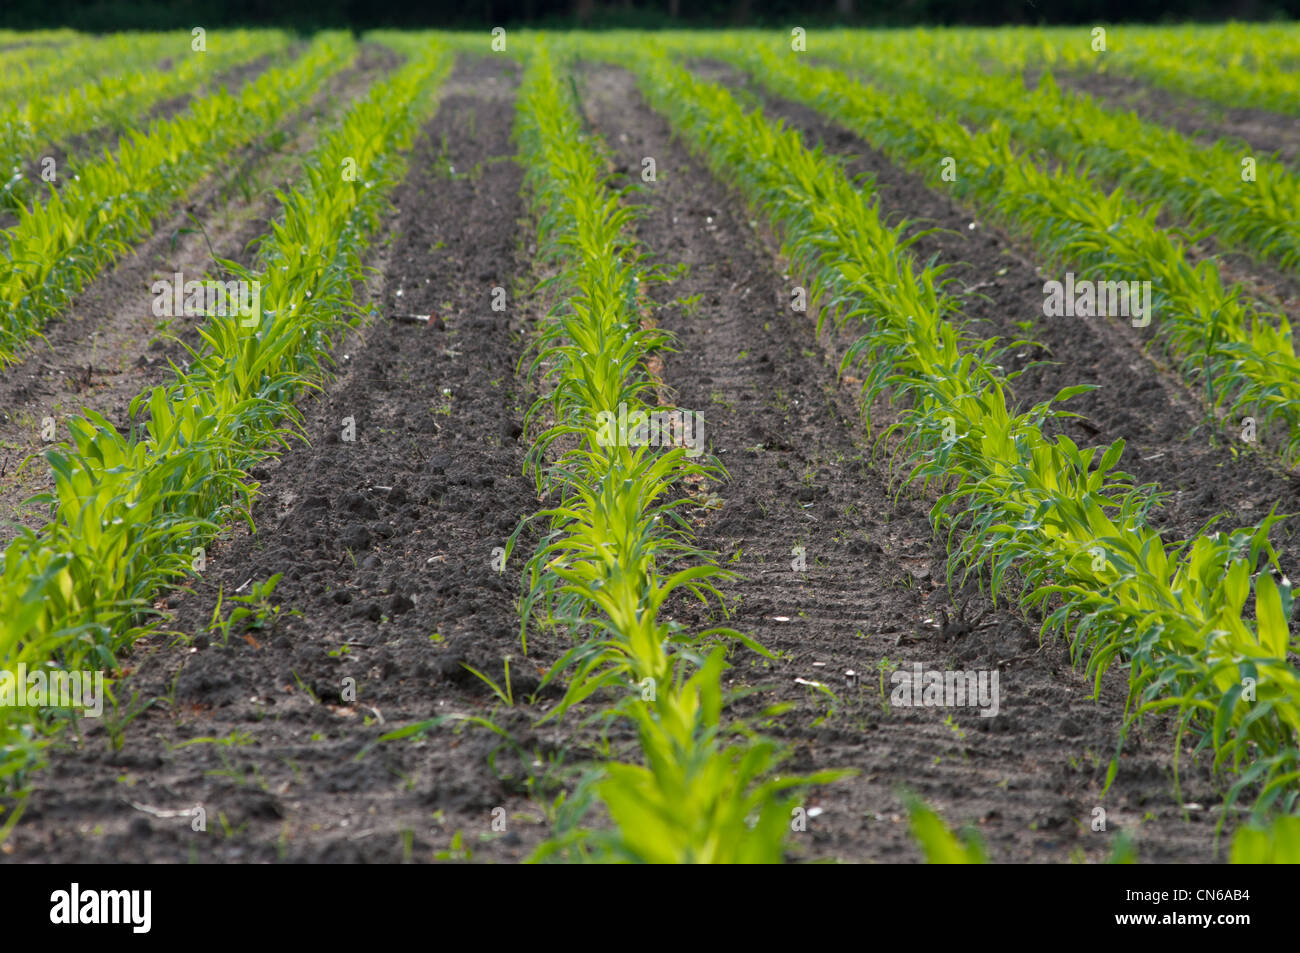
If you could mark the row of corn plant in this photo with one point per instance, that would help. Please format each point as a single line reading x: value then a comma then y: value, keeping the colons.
x: 128, y: 509
x: 57, y: 247
x: 1072, y: 526
x: 116, y: 100
x: 1203, y: 185
x: 1245, y: 356
x: 20, y: 61
x: 1235, y: 64
x: 82, y: 59
x: 617, y: 545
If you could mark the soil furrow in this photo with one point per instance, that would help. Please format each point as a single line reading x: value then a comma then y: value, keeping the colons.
x: 869, y: 592
x: 91, y: 145
x: 385, y: 534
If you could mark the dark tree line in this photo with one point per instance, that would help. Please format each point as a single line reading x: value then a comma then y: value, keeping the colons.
x: 471, y: 14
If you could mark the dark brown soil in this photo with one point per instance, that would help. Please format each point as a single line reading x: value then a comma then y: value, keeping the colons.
x: 89, y: 146
x: 872, y: 592
x: 1272, y: 288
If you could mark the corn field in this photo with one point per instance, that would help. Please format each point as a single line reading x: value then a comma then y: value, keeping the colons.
x: 743, y: 446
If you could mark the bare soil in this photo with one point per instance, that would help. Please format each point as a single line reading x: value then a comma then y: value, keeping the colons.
x: 1168, y: 439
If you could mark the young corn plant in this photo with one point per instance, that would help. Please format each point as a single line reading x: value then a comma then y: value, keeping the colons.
x: 697, y: 799
x: 1278, y: 843
x: 1246, y: 65
x: 1221, y: 64
x: 939, y: 844
x: 1202, y: 184
x: 32, y: 74
x: 605, y: 568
